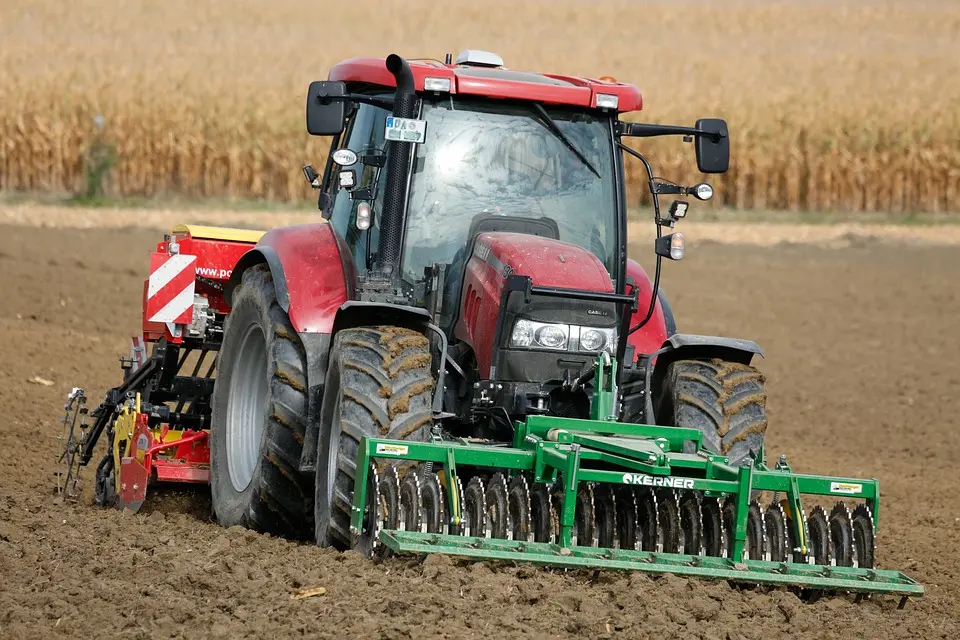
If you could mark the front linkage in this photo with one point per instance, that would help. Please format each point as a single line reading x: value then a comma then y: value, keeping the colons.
x: 603, y: 494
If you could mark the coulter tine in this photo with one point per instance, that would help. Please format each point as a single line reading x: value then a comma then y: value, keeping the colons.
x: 457, y: 529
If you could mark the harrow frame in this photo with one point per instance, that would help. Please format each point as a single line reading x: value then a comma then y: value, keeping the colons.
x: 569, y: 451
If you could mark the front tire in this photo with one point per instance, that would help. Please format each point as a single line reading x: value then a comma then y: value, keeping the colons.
x: 726, y: 401
x: 379, y: 384
x: 258, y: 424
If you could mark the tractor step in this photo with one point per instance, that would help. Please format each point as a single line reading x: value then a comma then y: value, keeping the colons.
x: 826, y: 578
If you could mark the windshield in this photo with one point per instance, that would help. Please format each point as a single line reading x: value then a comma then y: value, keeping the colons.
x: 482, y: 158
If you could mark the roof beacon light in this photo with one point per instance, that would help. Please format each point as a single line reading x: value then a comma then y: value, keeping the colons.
x: 607, y: 101
x: 437, y: 84
x: 477, y: 58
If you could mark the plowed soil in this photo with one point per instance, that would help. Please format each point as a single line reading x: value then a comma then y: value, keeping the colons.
x: 863, y: 367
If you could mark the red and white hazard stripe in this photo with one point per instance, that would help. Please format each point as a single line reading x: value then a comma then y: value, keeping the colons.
x: 170, y: 288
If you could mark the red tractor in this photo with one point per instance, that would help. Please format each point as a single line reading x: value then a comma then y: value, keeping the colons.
x: 470, y: 268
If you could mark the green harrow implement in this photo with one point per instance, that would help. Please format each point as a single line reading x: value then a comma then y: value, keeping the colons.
x: 604, y: 494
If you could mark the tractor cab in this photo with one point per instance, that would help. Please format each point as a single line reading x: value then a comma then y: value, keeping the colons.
x: 458, y: 186
x: 484, y: 165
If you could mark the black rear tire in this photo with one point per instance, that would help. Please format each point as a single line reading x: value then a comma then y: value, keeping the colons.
x: 379, y: 384
x: 726, y: 401
x: 277, y: 498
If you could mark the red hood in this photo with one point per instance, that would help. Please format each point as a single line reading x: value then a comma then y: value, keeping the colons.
x: 549, y: 263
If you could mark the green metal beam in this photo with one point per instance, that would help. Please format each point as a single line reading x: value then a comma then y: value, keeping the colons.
x: 747, y: 572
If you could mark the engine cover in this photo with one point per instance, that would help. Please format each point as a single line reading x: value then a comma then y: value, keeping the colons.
x: 549, y: 263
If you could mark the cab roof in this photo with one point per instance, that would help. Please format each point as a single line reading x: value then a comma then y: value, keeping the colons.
x: 495, y: 82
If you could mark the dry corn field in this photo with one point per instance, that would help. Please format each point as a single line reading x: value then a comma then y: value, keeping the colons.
x: 848, y: 105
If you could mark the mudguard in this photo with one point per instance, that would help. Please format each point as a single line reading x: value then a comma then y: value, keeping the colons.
x: 313, y: 274
x: 683, y: 346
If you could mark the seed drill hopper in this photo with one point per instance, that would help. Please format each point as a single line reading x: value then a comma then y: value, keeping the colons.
x: 462, y: 359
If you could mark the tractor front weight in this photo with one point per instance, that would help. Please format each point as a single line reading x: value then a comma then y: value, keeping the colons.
x: 604, y: 494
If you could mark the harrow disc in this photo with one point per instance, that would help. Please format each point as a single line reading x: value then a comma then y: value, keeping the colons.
x: 411, y: 502
x: 498, y: 508
x: 712, y: 517
x: 648, y: 520
x: 729, y: 521
x: 389, y: 489
x: 584, y: 521
x: 668, y: 521
x: 628, y: 532
x: 775, y: 527
x: 864, y: 542
x: 756, y: 547
x: 818, y: 537
x: 605, y: 511
x: 475, y: 509
x: 841, y: 536
x: 518, y: 502
x: 433, y: 503
x: 691, y: 524
x: 544, y: 523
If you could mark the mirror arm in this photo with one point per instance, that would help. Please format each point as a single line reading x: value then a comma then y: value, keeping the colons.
x: 377, y: 101
x: 642, y: 130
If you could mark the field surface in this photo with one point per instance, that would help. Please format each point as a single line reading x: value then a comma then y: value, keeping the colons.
x: 863, y: 365
x: 842, y: 105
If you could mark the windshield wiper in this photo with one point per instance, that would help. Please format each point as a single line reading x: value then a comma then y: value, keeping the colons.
x: 552, y: 125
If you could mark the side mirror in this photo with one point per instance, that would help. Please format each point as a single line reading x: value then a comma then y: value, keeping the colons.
x: 326, y: 108
x: 713, y: 151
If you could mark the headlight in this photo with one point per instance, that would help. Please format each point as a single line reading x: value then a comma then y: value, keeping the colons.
x: 562, y: 337
x: 592, y: 339
x: 552, y: 336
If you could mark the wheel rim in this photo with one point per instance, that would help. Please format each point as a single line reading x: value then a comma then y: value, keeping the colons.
x: 246, y: 407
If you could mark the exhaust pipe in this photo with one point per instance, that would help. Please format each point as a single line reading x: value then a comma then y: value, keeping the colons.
x: 398, y: 169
